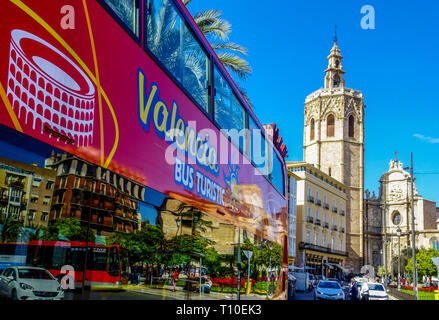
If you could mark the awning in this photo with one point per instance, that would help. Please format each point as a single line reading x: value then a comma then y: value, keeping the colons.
x: 341, y: 267
x: 294, y: 268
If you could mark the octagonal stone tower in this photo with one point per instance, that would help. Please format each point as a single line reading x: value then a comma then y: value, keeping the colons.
x: 334, y: 143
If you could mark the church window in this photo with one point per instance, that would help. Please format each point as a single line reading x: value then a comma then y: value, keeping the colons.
x: 330, y: 126
x: 396, y: 219
x: 312, y: 130
x: 336, y: 81
x: 337, y: 63
x: 351, y: 126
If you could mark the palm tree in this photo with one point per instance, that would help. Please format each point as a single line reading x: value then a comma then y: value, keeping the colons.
x: 215, y: 28
x: 217, y: 31
x: 181, y: 54
x: 10, y: 228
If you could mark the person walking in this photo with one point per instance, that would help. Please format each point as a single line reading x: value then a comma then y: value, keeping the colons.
x: 354, y: 289
x: 174, y: 279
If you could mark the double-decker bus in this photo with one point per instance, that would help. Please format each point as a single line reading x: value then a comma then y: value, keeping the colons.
x: 117, y: 116
x: 106, y: 265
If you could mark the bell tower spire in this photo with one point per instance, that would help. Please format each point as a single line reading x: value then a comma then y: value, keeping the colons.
x: 334, y: 72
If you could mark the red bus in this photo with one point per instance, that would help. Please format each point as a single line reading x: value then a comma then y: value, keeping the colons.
x: 119, y: 114
x: 106, y: 265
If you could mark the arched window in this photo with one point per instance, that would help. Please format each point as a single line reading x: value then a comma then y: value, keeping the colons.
x: 311, y: 136
x: 434, y: 242
x: 330, y: 124
x: 351, y: 126
x: 336, y: 81
x: 396, y: 218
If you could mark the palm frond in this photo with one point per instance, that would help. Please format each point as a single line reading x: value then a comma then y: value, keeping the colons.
x: 244, y: 94
x: 230, y: 46
x: 210, y: 23
x: 238, y: 65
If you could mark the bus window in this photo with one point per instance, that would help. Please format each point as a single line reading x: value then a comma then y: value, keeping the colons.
x: 113, y: 262
x: 173, y: 44
x: 277, y: 174
x: 229, y: 113
x: 127, y: 11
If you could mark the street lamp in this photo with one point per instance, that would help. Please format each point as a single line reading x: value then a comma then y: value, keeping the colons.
x: 398, y: 233
x: 177, y: 221
x: 83, y: 190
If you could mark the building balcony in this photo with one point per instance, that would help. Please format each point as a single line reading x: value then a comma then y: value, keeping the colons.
x: 334, y: 228
x: 342, y: 230
x: 342, y: 213
x: 310, y: 219
x: 318, y: 202
x: 318, y: 222
x: 326, y: 206
x: 309, y: 246
x: 334, y: 209
x: 16, y: 184
x: 311, y: 199
x: 325, y: 225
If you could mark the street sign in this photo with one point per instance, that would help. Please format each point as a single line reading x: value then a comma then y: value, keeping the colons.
x: 248, y: 253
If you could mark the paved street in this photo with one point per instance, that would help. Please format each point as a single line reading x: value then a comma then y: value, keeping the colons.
x: 145, y: 293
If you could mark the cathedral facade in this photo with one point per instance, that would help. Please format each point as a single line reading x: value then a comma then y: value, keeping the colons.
x: 334, y: 143
x: 390, y: 214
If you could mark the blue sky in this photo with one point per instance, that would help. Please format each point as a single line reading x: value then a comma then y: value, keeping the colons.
x: 396, y: 66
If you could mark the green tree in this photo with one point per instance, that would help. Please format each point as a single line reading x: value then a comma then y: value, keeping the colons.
x: 69, y: 228
x: 144, y: 245
x: 425, y: 265
x: 406, y: 254
x: 10, y: 228
x: 381, y: 271
x: 33, y: 231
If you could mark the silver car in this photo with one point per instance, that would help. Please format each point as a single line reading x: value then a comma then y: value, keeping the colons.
x: 328, y: 290
x: 29, y: 283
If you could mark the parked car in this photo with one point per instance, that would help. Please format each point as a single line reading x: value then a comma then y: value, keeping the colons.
x: 29, y: 283
x: 328, y: 290
x: 377, y: 291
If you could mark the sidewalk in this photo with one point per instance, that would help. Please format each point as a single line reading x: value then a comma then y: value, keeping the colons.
x: 180, y: 294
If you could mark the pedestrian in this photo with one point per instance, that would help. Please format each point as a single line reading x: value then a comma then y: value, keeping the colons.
x: 132, y: 273
x: 138, y: 273
x: 175, y: 279
x: 354, y: 289
x: 364, y: 291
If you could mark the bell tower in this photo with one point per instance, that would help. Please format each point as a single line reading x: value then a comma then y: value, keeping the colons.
x: 334, y: 143
x: 334, y: 73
